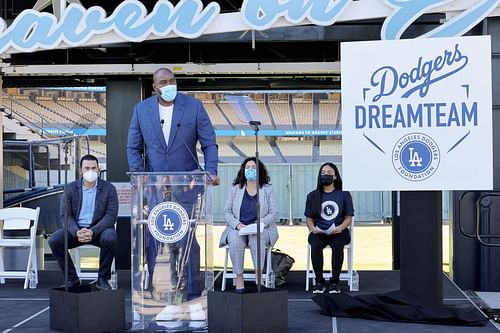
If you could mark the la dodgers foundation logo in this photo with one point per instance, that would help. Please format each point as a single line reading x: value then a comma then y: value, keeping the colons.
x: 168, y: 222
x: 415, y: 156
x: 329, y: 210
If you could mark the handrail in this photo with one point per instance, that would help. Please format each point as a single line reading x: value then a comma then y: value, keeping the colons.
x: 25, y: 189
x: 478, y: 236
x: 36, y: 193
x: 45, y: 143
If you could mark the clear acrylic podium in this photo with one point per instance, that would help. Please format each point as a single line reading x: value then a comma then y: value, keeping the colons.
x: 172, y: 250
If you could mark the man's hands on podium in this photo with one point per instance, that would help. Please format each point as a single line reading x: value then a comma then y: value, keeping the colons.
x: 84, y: 235
x: 213, y: 179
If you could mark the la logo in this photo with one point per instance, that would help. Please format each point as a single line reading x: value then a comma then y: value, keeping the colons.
x: 415, y: 158
x: 167, y: 223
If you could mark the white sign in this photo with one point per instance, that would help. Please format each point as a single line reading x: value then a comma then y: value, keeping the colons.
x: 417, y: 114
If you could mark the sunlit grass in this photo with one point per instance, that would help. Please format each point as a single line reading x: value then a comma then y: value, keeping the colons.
x: 372, y: 247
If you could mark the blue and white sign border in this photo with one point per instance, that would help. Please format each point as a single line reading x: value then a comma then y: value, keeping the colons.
x: 76, y: 26
x: 178, y: 212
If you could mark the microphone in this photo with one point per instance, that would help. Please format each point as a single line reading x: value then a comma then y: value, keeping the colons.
x: 162, y: 121
x: 191, y: 153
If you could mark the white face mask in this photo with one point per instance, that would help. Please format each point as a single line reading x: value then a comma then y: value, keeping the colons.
x: 90, y: 176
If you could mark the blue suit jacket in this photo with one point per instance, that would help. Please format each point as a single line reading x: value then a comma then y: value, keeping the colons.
x: 190, y: 123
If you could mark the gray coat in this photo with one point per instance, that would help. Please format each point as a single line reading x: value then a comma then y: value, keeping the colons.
x: 268, y: 211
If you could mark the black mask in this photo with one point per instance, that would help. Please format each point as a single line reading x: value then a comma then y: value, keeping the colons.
x: 326, y: 180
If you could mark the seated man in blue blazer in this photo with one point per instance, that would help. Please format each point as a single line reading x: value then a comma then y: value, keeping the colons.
x: 162, y: 136
x: 90, y: 205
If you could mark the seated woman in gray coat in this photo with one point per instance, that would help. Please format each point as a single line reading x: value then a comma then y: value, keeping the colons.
x: 240, y: 211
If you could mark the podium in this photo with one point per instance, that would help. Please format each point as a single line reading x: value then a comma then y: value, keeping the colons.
x: 172, y: 250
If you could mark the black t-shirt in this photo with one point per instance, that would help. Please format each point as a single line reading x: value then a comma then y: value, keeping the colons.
x: 334, y: 207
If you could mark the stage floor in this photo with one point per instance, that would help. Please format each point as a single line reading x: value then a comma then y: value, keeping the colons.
x: 28, y: 310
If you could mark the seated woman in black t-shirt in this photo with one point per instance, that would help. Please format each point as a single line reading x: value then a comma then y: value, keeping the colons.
x: 329, y: 212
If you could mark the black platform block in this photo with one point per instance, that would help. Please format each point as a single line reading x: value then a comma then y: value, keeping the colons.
x: 262, y: 312
x: 84, y: 309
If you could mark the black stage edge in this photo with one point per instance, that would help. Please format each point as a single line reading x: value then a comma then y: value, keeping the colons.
x: 421, y: 244
x: 83, y: 309
x: 262, y: 312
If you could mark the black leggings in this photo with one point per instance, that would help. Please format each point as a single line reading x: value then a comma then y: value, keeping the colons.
x: 318, y: 242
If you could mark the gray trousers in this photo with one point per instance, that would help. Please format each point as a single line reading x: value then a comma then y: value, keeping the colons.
x: 237, y: 245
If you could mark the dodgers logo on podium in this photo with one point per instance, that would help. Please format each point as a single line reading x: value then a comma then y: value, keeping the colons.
x: 168, y: 222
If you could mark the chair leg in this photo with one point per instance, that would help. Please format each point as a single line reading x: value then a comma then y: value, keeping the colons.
x: 76, y: 252
x: 146, y: 277
x: 350, y: 269
x: 224, y: 273
x: 29, y: 266
x: 268, y: 267
x: 2, y: 279
x: 308, y: 259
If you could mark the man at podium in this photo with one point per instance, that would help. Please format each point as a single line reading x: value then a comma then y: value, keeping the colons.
x: 162, y: 137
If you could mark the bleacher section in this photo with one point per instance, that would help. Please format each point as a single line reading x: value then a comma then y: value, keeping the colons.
x: 33, y: 112
x: 86, y: 114
x: 281, y: 113
x: 215, y: 115
x: 226, y: 151
x: 266, y: 121
x: 70, y: 111
x: 67, y: 111
x: 229, y: 113
x: 303, y: 113
x: 94, y: 107
x: 330, y: 148
x: 247, y: 147
x: 295, y: 147
x: 329, y: 114
x: 97, y: 148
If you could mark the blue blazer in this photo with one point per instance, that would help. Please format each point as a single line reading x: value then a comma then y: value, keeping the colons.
x: 105, y: 210
x: 190, y: 123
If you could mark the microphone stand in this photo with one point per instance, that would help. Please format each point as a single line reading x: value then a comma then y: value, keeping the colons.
x: 66, y: 142
x: 255, y: 126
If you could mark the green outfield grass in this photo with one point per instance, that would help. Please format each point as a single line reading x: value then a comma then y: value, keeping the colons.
x: 372, y: 247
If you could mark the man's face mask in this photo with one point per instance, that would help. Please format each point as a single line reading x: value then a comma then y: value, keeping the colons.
x: 251, y: 174
x: 90, y: 176
x: 326, y: 180
x: 168, y: 92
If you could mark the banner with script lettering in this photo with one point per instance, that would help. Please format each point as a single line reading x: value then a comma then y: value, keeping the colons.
x: 417, y: 115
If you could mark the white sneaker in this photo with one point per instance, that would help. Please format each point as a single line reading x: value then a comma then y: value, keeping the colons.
x: 170, y: 312
x: 196, y: 312
x: 198, y: 324
x: 170, y: 325
x: 319, y: 289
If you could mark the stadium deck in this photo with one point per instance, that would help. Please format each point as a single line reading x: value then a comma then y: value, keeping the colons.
x: 28, y: 310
